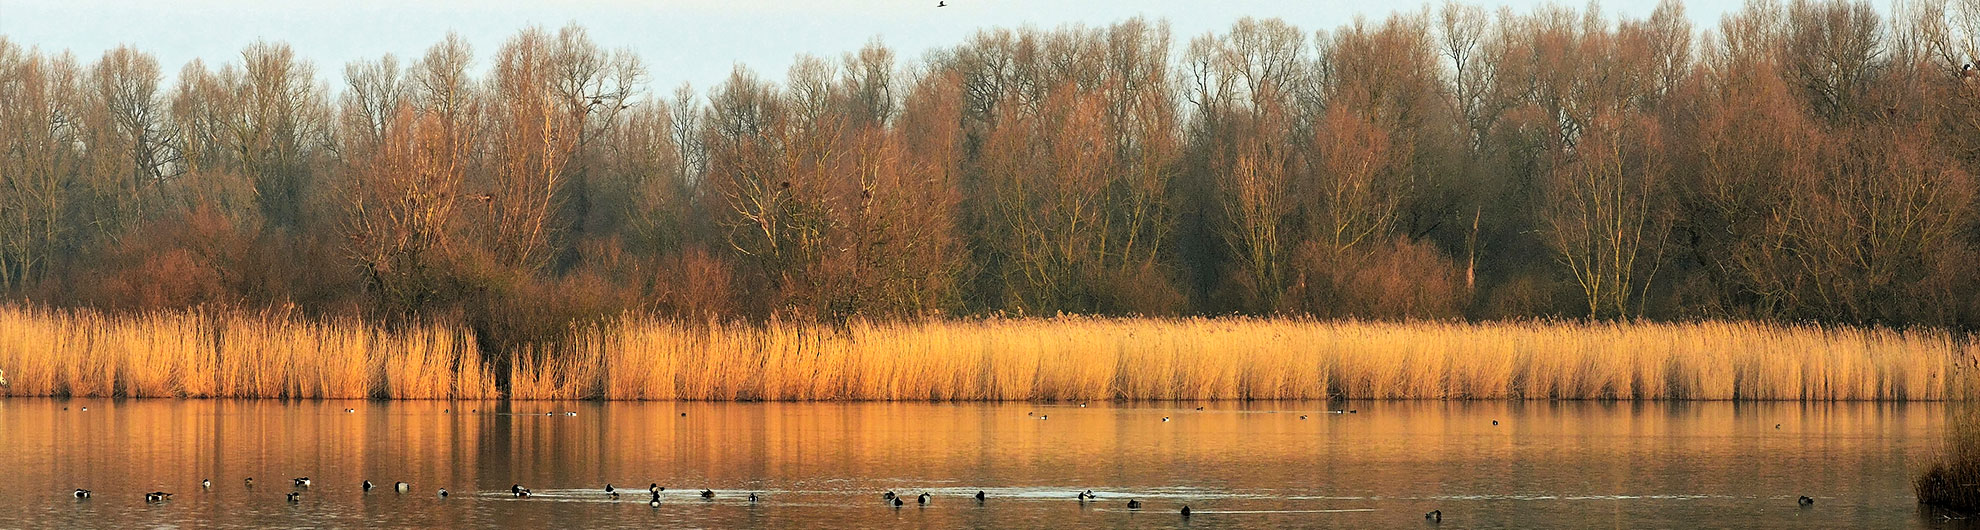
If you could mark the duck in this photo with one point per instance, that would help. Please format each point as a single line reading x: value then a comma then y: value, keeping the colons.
x: 752, y: 498
x: 1044, y: 417
x: 1495, y: 422
x: 608, y: 488
x: 887, y: 496
x: 443, y: 493
x: 82, y: 493
x: 1805, y: 501
x: 157, y: 496
x: 1185, y: 511
x: 1199, y: 408
x: 350, y: 411
x: 979, y: 496
x: 655, y: 501
x: 295, y: 496
x: 923, y: 499
x: 1302, y: 416
x: 401, y: 487
x: 367, y: 485
x: 1088, y: 494
x: 1435, y: 516
x: 1134, y: 504
x: 897, y: 502
x: 205, y: 484
x: 707, y: 494
x: 654, y: 488
x: 303, y: 482
x: 613, y: 495
x: 519, y: 491
x: 249, y: 482
x: 1165, y: 418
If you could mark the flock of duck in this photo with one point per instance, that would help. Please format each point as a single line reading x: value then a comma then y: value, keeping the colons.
x: 612, y: 492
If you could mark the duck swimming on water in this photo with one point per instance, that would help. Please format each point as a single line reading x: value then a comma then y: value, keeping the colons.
x: 1185, y: 511
x: 923, y: 499
x: 401, y: 487
x: 205, y: 484
x: 367, y: 485
x: 443, y: 493
x: 707, y: 494
x: 1805, y: 501
x: 294, y: 497
x: 1435, y: 516
x: 157, y: 496
x: 979, y: 496
x: 887, y: 496
x: 82, y: 493
x: 655, y: 501
x: 1134, y: 504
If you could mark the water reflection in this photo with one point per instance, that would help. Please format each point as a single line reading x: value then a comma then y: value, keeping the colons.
x: 1256, y: 465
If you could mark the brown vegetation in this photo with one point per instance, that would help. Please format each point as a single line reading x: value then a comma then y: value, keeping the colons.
x: 637, y: 358
x: 1810, y: 162
x: 1802, y: 161
x: 1953, y: 482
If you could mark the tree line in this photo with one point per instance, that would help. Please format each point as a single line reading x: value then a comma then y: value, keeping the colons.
x: 1804, y: 161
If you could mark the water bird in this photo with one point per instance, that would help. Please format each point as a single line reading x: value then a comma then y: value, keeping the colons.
x: 1030, y: 413
x: 303, y: 482
x: 1044, y: 417
x: 401, y: 487
x: 1777, y: 426
x: 295, y: 496
x: 1199, y: 408
x: 1185, y: 511
x: 1082, y: 405
x: 82, y: 493
x: 613, y: 494
x: 1435, y: 516
x: 348, y: 411
x: 1805, y: 501
x: 707, y: 494
x: 1302, y: 416
x: 157, y: 496
x: 367, y: 485
x: 85, y: 409
x: 923, y: 499
x: 941, y: 4
x: 1165, y: 418
x: 655, y: 488
x: 683, y: 414
x: 752, y: 498
x: 1352, y: 411
x: 897, y: 502
x: 519, y: 491
x: 608, y: 487
x: 249, y: 482
x: 655, y: 501
x: 887, y: 496
x: 570, y: 413
x: 205, y: 484
x: 1088, y: 494
x: 1495, y: 422
x: 1134, y: 504
x: 979, y: 496
x: 443, y: 493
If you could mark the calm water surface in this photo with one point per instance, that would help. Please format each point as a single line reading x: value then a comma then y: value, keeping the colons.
x: 1255, y: 465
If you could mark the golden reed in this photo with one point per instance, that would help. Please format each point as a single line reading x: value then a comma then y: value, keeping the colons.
x: 189, y: 354
x: 81, y: 353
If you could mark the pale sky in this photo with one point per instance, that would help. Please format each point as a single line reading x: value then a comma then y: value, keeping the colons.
x: 696, y: 40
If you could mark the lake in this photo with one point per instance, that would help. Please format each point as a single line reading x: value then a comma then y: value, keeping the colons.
x: 1237, y: 465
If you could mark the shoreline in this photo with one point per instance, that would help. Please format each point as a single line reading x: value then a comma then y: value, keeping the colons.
x: 80, y: 353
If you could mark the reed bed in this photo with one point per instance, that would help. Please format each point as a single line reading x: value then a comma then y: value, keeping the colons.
x: 1953, y: 482
x: 81, y: 353
x: 1249, y: 358
x: 193, y: 354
